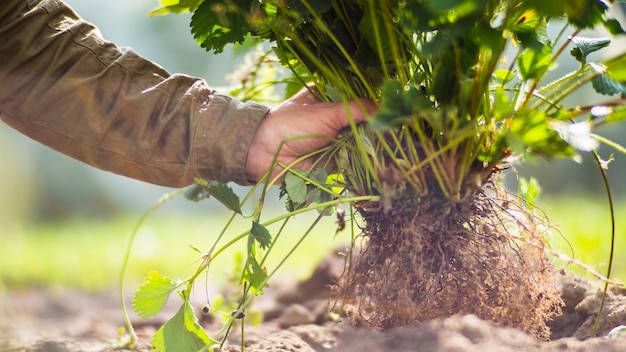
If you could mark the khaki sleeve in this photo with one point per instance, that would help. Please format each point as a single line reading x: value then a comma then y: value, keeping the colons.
x: 64, y: 86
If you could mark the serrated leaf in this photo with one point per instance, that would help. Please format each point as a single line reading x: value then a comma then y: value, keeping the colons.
x: 255, y: 276
x: 585, y: 46
x: 605, y: 85
x: 226, y: 196
x: 181, y: 333
x: 295, y: 187
x: 151, y: 296
x: 261, y: 234
x: 223, y: 193
x: 216, y: 23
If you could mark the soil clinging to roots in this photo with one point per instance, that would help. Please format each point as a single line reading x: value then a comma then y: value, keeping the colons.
x: 430, y: 258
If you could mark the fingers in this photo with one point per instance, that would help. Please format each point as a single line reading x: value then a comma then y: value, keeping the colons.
x: 357, y: 110
x: 303, y: 114
x: 361, y: 109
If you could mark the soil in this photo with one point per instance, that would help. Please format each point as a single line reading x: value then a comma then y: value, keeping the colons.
x: 296, y: 319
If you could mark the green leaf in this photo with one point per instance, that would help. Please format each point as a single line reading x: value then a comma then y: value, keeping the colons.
x: 372, y: 25
x: 616, y: 68
x: 502, y: 107
x: 529, y: 190
x: 367, y: 144
x: 418, y: 17
x: 318, y: 6
x: 530, y: 132
x: 196, y: 193
x: 585, y: 13
x: 487, y: 37
x: 293, y: 87
x: 533, y: 64
x: 216, y: 23
x: 313, y: 195
x: 614, y: 27
x: 295, y: 187
x: 503, y: 76
x: 176, y: 6
x: 169, y: 9
x: 181, y: 333
x: 399, y: 104
x: 603, y: 84
x: 617, y: 114
x: 585, y: 46
x: 319, y: 176
x: 223, y: 193
x: 548, y: 8
x: 531, y: 29
x: 255, y: 276
x: 261, y: 234
x: 456, y: 8
x: 151, y: 296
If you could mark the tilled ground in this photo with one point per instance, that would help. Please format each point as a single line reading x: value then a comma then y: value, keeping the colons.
x: 296, y: 319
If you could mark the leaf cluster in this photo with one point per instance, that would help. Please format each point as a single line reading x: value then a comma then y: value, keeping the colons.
x: 461, y: 86
x: 439, y: 70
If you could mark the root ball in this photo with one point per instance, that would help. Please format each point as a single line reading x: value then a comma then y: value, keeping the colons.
x: 430, y: 258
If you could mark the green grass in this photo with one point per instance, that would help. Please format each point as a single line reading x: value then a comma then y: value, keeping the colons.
x: 582, y: 229
x: 88, y: 254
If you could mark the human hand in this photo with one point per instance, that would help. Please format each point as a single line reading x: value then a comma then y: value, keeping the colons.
x: 301, y: 115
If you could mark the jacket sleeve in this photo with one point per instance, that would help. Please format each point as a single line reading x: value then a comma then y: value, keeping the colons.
x: 64, y: 86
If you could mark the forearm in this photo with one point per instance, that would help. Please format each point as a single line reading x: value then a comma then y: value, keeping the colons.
x: 63, y: 85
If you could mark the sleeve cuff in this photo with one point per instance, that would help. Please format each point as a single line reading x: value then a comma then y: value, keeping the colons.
x: 222, y: 137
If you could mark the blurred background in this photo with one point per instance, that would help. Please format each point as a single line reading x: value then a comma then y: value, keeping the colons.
x: 63, y: 223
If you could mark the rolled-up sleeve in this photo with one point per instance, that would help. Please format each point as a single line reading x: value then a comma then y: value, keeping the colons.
x: 66, y: 87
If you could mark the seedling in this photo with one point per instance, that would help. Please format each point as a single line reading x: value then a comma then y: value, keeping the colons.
x: 463, y: 94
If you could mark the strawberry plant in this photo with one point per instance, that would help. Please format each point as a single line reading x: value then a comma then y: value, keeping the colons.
x: 463, y: 93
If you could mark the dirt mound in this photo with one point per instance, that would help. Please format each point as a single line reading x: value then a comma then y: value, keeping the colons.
x: 64, y: 321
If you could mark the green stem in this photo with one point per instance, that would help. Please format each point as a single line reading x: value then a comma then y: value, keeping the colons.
x: 247, y: 298
x: 296, y: 212
x: 609, y: 193
x: 129, y: 246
